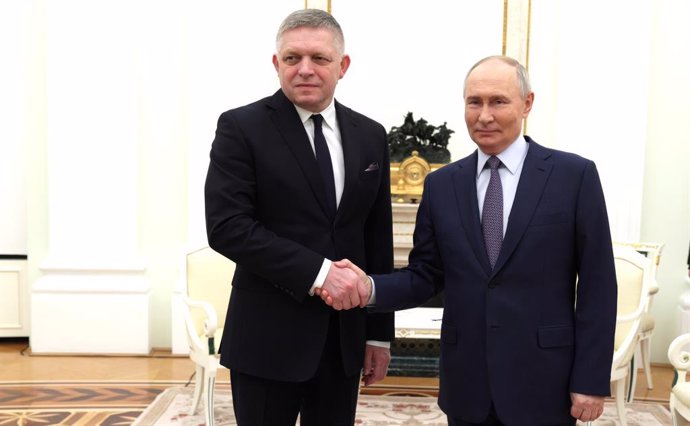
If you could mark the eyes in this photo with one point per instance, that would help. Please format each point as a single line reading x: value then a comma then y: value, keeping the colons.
x: 320, y: 60
x: 497, y: 101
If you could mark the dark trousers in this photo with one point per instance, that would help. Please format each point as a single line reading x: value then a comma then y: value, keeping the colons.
x: 328, y: 398
x: 491, y: 420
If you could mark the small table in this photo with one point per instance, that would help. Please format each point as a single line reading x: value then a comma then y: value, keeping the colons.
x: 416, y: 349
x: 419, y: 323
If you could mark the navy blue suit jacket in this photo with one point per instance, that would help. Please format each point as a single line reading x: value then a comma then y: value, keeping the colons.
x: 524, y: 335
x: 266, y: 210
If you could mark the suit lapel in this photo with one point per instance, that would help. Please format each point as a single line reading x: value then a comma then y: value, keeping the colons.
x: 285, y: 117
x: 465, y: 184
x: 535, y: 173
x: 351, y: 152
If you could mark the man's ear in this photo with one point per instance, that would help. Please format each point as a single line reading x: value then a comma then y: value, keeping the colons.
x: 275, y: 61
x: 344, y: 65
x: 529, y: 100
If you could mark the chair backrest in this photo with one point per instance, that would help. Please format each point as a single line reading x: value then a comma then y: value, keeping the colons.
x: 209, y: 277
x: 651, y: 251
x: 633, y: 274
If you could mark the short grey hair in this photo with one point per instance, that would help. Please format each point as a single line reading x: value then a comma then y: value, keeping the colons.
x: 520, y: 71
x: 312, y: 18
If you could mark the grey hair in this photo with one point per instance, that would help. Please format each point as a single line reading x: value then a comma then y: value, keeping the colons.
x: 312, y: 18
x: 520, y: 72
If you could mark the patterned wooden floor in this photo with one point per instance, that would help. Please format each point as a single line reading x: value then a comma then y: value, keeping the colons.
x: 76, y: 403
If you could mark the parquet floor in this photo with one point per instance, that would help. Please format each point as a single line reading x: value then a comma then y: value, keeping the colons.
x: 122, y: 381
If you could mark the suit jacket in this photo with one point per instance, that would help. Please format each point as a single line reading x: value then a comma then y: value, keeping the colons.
x: 523, y: 335
x: 266, y: 211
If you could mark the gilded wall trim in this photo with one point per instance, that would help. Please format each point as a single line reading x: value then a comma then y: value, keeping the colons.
x: 318, y: 4
x: 505, y: 26
x: 517, y: 22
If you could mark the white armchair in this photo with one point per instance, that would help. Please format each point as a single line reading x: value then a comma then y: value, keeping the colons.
x: 679, y: 402
x: 653, y: 252
x: 208, y: 277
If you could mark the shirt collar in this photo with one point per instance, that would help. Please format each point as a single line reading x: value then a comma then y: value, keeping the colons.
x: 511, y: 157
x: 328, y: 114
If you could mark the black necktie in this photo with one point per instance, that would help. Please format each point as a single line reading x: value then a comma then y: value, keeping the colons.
x: 323, y: 157
x: 492, y: 212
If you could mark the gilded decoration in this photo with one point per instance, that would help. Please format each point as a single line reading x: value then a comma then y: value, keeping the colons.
x: 416, y: 149
x: 407, y: 178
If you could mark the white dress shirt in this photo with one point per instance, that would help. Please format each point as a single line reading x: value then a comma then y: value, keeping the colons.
x: 513, y: 158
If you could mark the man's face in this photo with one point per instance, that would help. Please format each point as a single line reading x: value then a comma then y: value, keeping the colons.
x: 309, y: 67
x: 494, y: 106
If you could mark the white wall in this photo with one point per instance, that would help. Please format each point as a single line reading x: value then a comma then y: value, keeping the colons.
x: 13, y: 116
x: 666, y: 189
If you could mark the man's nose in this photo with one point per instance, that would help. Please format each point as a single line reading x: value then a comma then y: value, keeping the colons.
x: 486, y: 115
x: 306, y: 67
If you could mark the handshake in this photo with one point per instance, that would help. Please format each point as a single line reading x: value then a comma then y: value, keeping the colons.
x: 346, y: 286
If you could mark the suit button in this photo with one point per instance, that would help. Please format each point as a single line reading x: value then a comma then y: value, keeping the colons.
x: 493, y: 284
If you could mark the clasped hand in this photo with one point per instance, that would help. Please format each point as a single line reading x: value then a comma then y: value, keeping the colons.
x: 346, y: 286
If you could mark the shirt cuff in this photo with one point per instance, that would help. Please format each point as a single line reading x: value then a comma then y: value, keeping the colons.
x: 372, y: 298
x: 321, y: 277
x: 386, y: 345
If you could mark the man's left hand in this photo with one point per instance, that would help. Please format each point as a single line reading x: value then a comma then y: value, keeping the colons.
x: 586, y: 408
x: 376, y: 360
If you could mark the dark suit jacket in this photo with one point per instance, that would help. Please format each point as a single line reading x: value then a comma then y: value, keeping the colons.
x: 266, y: 210
x: 513, y: 336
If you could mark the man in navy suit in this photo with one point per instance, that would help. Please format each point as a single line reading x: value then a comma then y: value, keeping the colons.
x: 529, y: 314
x: 283, y: 212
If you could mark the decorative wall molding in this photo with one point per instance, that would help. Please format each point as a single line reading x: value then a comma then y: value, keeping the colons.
x: 14, y: 300
x: 91, y: 313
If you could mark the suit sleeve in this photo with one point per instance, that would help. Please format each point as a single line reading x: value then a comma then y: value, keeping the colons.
x: 232, y: 222
x: 378, y: 234
x: 595, y: 312
x: 423, y: 277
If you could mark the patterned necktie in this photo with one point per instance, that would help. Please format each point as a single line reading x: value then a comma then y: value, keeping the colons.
x: 492, y: 213
x: 323, y: 158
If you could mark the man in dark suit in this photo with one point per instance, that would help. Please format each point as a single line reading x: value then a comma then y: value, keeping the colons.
x: 283, y: 211
x: 522, y: 250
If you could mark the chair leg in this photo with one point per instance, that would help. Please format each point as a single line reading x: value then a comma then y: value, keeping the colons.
x: 198, y: 387
x: 631, y: 380
x: 209, y: 386
x: 645, y: 348
x: 620, y: 401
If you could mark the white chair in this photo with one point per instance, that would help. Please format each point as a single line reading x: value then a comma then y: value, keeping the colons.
x: 633, y: 276
x: 643, y: 351
x: 208, y: 277
x: 679, y: 402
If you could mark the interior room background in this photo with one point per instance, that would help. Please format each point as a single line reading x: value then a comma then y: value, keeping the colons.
x: 108, y: 110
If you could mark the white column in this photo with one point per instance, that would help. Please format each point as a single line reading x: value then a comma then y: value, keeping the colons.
x: 517, y: 30
x: 93, y: 296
